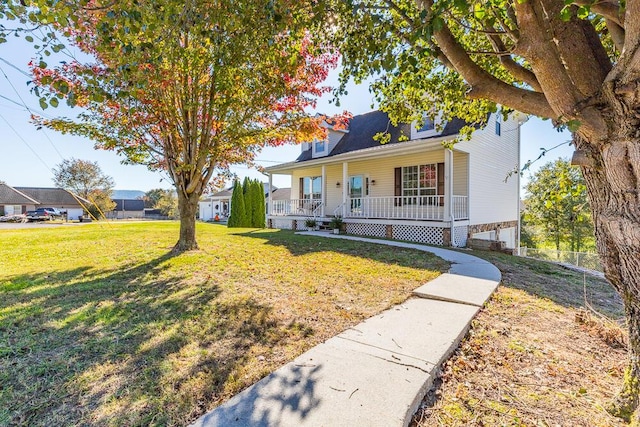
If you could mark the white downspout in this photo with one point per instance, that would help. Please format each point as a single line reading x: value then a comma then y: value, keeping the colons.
x: 450, y: 196
x: 520, y: 123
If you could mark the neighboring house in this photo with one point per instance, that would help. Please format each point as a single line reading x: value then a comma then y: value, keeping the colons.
x: 215, y: 204
x: 278, y: 195
x: 15, y: 202
x: 415, y: 190
x: 220, y: 203
x: 65, y: 201
x: 129, y: 204
x: 127, y: 208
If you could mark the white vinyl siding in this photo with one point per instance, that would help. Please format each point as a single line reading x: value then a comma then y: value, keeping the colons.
x: 460, y: 173
x: 382, y: 170
x: 491, y: 158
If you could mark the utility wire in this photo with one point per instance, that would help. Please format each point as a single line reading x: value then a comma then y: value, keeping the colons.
x: 25, y: 142
x: 12, y: 101
x: 18, y: 69
x: 52, y: 144
x: 30, y: 112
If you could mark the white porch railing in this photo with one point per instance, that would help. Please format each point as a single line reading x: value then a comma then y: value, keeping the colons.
x: 394, y: 207
x: 430, y: 208
x: 460, y: 208
x: 302, y: 207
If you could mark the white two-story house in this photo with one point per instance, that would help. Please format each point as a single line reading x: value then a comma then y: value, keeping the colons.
x: 411, y: 188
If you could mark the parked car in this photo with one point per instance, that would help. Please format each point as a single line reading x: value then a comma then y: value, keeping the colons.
x: 44, y: 214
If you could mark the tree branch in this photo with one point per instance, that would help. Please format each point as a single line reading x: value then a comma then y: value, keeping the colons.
x: 518, y: 71
x: 483, y: 84
x: 608, y: 9
x: 617, y: 34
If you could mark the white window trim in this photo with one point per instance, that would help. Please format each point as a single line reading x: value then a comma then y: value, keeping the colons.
x: 438, y: 123
x: 316, y: 153
x: 419, y: 188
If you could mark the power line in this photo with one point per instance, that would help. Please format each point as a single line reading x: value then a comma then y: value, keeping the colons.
x: 11, y: 100
x: 30, y: 112
x: 18, y: 69
x: 25, y: 142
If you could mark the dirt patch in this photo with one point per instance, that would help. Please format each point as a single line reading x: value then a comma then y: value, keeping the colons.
x: 533, y: 356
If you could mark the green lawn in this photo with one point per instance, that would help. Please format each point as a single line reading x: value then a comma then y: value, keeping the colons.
x: 101, y: 325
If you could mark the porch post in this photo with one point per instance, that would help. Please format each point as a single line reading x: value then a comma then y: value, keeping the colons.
x: 324, y: 190
x: 448, y: 185
x: 449, y: 193
x: 345, y: 180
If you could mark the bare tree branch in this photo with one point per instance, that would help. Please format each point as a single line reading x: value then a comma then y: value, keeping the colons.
x: 483, y: 84
x: 518, y: 71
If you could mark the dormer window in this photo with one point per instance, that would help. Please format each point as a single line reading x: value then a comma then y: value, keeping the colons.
x: 427, y: 127
x: 429, y: 124
x: 320, y: 148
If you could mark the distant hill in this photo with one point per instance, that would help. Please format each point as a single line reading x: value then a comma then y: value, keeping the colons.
x: 127, y: 194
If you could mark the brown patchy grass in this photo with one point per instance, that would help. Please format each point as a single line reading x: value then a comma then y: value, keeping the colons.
x: 534, y: 355
x: 101, y: 325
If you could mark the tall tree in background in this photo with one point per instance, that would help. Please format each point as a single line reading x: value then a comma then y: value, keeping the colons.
x: 189, y: 87
x: 167, y: 204
x: 85, y: 179
x: 575, y: 62
x: 258, y: 215
x: 247, y: 192
x: 237, y: 216
x: 556, y: 204
x: 152, y: 197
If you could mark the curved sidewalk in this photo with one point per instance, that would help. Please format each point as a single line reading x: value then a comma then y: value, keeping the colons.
x: 375, y: 373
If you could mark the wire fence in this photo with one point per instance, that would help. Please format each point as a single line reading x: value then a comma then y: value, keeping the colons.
x: 587, y: 260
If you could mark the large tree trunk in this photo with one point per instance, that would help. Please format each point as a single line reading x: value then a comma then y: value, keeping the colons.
x: 612, y: 183
x: 188, y: 206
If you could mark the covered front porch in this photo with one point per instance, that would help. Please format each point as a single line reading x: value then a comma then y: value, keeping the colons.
x: 429, y: 186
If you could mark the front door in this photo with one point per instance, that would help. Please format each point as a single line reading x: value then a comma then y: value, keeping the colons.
x: 356, y: 192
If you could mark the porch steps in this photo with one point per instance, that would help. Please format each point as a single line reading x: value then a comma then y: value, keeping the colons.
x: 377, y: 372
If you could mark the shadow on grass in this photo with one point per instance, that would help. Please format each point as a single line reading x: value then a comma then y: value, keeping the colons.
x: 298, y: 245
x: 543, y: 279
x: 565, y: 287
x: 117, y: 347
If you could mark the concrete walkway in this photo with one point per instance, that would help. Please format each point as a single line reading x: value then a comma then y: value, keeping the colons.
x: 376, y: 373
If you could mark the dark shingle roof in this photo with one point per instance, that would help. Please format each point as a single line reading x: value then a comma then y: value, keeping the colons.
x: 11, y: 196
x: 281, y: 194
x: 364, y: 127
x: 49, y: 196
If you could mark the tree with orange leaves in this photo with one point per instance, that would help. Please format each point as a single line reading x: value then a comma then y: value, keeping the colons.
x: 189, y: 87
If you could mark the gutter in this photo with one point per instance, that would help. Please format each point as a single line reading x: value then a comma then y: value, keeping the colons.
x: 396, y: 148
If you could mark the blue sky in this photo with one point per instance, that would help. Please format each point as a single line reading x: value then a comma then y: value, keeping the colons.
x: 28, y: 155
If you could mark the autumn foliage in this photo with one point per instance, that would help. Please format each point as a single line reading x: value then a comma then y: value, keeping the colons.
x: 190, y: 88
